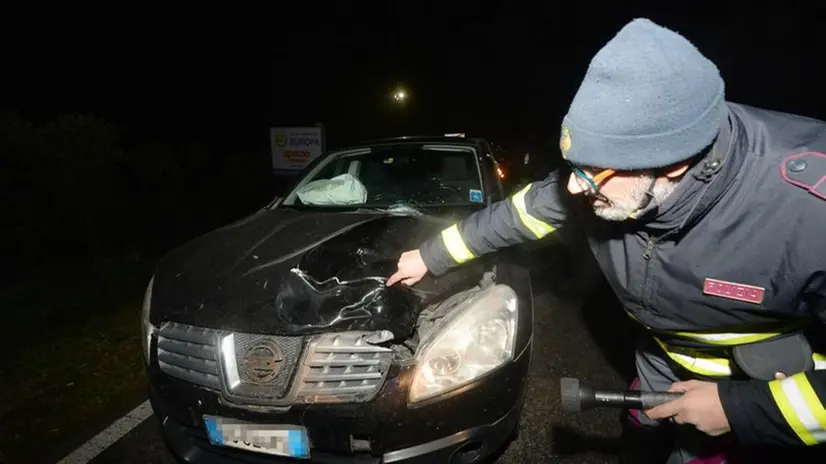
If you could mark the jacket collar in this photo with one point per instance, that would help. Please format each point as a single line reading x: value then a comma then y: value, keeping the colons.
x: 702, y: 186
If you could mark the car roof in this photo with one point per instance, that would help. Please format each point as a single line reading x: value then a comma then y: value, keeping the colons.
x: 474, y: 141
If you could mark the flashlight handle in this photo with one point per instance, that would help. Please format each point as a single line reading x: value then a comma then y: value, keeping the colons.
x: 633, y: 399
x: 649, y: 400
x: 576, y: 397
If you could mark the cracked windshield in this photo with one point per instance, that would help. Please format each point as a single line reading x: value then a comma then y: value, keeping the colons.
x: 394, y: 175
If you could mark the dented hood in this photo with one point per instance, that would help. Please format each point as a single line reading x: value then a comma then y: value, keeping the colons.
x: 291, y: 272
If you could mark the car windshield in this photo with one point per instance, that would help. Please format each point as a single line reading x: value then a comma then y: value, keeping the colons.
x: 404, y: 174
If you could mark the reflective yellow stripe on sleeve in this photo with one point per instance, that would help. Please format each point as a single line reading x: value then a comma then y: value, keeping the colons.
x: 539, y: 228
x: 456, y: 245
x: 801, y: 408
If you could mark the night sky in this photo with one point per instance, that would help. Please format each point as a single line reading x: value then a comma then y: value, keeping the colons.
x: 506, y: 70
x: 182, y: 98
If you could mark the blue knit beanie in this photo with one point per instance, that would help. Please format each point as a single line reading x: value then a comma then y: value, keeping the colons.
x: 649, y: 99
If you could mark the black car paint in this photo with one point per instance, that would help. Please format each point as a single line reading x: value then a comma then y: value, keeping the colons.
x: 288, y: 272
x: 231, y: 278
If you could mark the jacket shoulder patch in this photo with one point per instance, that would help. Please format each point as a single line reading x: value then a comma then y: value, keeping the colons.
x: 806, y: 170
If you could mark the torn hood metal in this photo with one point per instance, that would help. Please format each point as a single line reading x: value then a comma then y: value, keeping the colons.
x: 291, y: 272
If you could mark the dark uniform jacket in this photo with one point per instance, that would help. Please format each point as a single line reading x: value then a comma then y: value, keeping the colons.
x: 735, y: 255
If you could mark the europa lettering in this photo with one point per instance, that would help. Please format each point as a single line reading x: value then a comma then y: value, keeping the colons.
x: 304, y: 141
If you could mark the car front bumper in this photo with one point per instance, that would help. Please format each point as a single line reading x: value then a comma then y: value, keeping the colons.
x: 474, y: 421
x: 476, y: 443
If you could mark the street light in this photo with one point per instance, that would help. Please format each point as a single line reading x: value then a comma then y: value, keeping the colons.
x: 400, y: 96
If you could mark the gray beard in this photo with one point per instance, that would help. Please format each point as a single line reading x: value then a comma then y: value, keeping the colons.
x: 624, y: 208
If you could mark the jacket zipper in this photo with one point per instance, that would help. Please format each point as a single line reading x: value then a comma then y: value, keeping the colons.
x: 647, y: 255
x: 649, y: 250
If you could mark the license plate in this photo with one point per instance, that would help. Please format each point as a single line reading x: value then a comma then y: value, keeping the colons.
x: 276, y: 439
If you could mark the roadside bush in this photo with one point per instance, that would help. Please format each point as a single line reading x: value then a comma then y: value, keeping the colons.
x: 75, y: 195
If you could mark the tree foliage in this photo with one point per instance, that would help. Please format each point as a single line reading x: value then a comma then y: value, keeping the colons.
x: 75, y: 194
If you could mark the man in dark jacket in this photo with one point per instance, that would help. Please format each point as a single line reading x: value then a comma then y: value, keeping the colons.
x: 708, y: 219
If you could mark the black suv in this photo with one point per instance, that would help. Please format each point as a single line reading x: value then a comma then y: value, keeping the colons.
x: 275, y: 339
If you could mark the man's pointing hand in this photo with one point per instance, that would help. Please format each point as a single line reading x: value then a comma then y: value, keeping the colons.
x: 411, y: 269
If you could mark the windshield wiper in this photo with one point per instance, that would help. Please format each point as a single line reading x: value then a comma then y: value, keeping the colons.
x: 401, y: 210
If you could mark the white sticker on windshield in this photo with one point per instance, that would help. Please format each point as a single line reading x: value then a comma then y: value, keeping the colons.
x: 476, y: 196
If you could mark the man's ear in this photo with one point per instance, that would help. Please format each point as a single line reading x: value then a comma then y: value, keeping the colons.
x: 677, y: 171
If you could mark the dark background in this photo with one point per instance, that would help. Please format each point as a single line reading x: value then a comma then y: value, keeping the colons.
x: 125, y: 130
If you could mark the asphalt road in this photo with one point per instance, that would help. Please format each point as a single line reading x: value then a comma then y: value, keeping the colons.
x: 567, y: 331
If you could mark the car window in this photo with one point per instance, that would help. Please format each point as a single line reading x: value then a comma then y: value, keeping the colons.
x: 388, y: 175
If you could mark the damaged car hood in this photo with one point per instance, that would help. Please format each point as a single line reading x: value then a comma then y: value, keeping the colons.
x: 290, y: 272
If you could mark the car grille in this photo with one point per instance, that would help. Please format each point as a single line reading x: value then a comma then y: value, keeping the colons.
x: 188, y: 353
x: 257, y: 383
x: 342, y: 367
x: 332, y: 368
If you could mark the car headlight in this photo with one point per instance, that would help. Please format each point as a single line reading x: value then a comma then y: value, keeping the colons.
x: 147, y: 329
x: 475, y: 338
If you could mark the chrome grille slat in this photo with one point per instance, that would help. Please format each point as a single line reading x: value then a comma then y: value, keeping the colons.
x: 188, y: 333
x: 346, y: 349
x: 344, y: 362
x: 204, y: 366
x: 187, y: 348
x: 189, y: 353
x: 198, y: 378
x: 342, y: 367
x: 322, y: 377
x: 348, y: 389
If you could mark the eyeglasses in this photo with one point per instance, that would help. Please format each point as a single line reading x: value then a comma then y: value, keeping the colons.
x: 589, y: 184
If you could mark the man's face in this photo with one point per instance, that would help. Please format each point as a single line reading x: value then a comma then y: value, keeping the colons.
x: 623, y: 193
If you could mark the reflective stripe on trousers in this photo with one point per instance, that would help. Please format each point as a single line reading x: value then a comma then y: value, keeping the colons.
x: 706, y: 364
x: 712, y: 366
x: 727, y: 338
x: 794, y: 396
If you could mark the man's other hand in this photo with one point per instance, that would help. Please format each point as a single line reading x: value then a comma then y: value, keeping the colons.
x: 411, y: 269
